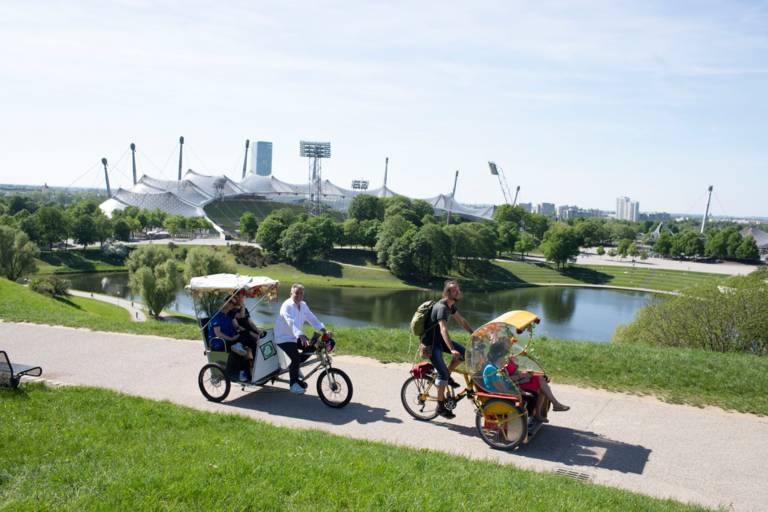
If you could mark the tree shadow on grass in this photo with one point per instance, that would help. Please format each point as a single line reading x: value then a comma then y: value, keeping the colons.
x: 361, y: 257
x: 573, y: 447
x: 280, y: 402
x: 66, y: 302
x: 586, y: 275
x: 321, y: 268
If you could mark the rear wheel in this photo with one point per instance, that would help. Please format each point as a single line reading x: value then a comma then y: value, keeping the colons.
x: 334, y: 388
x: 214, y: 382
x: 419, y: 397
x: 502, y: 425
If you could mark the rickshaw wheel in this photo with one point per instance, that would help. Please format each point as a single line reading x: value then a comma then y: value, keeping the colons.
x: 334, y: 388
x: 501, y: 425
x: 418, y: 403
x: 214, y: 382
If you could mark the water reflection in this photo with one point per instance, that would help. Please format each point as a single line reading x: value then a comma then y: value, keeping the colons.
x: 567, y: 312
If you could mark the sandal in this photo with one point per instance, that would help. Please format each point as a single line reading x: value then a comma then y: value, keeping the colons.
x: 560, y: 408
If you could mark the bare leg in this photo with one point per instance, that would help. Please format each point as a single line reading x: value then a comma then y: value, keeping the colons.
x: 547, y: 391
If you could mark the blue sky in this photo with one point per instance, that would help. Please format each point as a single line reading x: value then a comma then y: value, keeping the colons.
x: 578, y: 102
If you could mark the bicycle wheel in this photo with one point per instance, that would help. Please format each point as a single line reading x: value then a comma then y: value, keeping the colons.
x: 502, y: 425
x: 334, y: 388
x: 419, y: 397
x: 214, y: 382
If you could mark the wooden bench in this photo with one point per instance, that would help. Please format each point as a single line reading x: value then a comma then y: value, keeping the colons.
x: 12, y: 373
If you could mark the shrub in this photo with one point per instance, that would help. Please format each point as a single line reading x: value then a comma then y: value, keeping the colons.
x: 17, y: 253
x: 114, y: 251
x: 248, y: 255
x: 51, y: 286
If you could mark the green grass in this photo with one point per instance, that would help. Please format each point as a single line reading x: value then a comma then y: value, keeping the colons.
x: 90, y: 449
x: 20, y: 304
x: 523, y: 273
x: 696, y: 377
x: 64, y: 262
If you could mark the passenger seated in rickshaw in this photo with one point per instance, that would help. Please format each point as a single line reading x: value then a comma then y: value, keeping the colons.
x: 245, y: 327
x: 223, y: 326
x: 501, y: 374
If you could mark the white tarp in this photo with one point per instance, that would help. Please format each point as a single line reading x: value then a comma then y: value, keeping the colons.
x: 230, y: 283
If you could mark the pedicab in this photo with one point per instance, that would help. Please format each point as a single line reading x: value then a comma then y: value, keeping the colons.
x: 506, y: 415
x: 210, y: 294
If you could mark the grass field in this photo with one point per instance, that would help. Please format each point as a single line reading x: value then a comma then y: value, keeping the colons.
x: 89, y: 449
x: 75, y: 260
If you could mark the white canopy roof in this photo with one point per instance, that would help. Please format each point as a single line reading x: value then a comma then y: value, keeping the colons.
x: 231, y: 283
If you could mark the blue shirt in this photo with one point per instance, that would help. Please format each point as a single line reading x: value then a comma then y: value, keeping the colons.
x: 491, y: 378
x: 224, y: 322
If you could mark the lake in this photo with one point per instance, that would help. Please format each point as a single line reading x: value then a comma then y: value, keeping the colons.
x: 566, y: 312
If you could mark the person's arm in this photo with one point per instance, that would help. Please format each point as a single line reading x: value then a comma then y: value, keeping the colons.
x: 462, y: 322
x: 312, y: 319
x: 217, y: 332
x: 444, y: 331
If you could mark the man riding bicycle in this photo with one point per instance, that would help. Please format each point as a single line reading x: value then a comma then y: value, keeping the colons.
x: 436, y: 335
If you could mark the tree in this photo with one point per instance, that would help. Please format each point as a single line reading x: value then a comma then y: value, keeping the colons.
x: 269, y: 233
x: 431, y: 249
x: 600, y: 250
x: 366, y: 207
x: 509, y: 213
x: 300, y: 243
x: 716, y: 245
x: 248, y: 225
x: 153, y: 274
x: 391, y: 229
x: 525, y: 244
x: 623, y: 248
x: 84, y: 229
x: 536, y: 224
x: 687, y: 243
x: 327, y: 233
x: 204, y: 261
x: 663, y: 244
x: 121, y: 229
x: 748, y: 250
x: 352, y: 232
x: 592, y: 232
x: 507, y: 236
x: 17, y: 253
x: 103, y: 226
x: 52, y: 225
x: 633, y: 251
x: 560, y: 244
x: 175, y: 224
x: 369, y: 232
x: 621, y: 231
x: 401, y: 254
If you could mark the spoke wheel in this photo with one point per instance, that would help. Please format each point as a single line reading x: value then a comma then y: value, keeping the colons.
x: 502, y: 425
x: 214, y: 382
x: 419, y: 397
x: 334, y: 388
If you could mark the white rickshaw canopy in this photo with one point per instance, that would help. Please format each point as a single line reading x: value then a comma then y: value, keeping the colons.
x: 254, y: 286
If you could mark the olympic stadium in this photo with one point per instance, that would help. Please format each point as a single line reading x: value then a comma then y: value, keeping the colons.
x: 222, y: 201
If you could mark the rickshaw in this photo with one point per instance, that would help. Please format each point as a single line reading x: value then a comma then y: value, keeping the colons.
x: 504, y: 419
x: 210, y: 294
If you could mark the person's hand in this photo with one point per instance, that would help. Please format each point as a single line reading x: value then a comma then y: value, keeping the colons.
x: 455, y: 353
x: 329, y: 334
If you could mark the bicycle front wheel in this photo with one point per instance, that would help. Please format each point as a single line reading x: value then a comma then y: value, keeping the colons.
x: 334, y: 388
x: 419, y: 397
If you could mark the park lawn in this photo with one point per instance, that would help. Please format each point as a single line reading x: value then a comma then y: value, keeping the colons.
x: 689, y: 376
x: 78, y: 448
x: 523, y: 273
x: 20, y: 304
x: 75, y: 260
x: 327, y: 274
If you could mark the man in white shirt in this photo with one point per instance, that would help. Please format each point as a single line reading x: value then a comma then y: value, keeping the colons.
x: 288, y: 334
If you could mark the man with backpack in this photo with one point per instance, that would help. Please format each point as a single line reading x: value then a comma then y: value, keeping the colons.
x: 436, y: 336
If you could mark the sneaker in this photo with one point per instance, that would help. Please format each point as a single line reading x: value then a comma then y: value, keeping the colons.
x: 297, y: 389
x: 445, y: 413
x: 243, y: 377
x: 302, y: 384
x: 453, y: 383
x: 239, y: 349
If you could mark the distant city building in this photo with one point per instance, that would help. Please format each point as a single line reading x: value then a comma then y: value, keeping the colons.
x: 527, y: 207
x: 566, y: 212
x: 655, y: 216
x: 546, y: 209
x: 262, y: 164
x: 626, y: 209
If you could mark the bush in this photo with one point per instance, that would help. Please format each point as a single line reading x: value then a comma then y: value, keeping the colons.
x: 115, y: 251
x: 728, y: 318
x: 248, y: 255
x: 51, y: 286
x: 17, y: 253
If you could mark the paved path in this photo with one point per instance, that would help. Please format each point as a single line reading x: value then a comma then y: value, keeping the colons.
x: 137, y: 314
x: 705, y: 456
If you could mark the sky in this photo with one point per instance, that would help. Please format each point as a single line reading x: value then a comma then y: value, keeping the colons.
x: 577, y: 101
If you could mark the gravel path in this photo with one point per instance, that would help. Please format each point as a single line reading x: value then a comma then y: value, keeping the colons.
x: 706, y: 456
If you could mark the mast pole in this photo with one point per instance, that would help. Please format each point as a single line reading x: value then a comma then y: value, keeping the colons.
x: 453, y: 195
x: 133, y: 161
x: 106, y: 176
x: 181, y: 153
x: 245, y: 160
x: 706, y: 212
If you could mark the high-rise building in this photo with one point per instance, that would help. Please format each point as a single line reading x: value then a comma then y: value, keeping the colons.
x: 262, y: 164
x: 527, y: 207
x: 626, y: 209
x: 547, y: 209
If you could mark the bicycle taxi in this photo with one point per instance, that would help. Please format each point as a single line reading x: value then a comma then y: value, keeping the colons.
x: 495, y: 358
x: 210, y: 294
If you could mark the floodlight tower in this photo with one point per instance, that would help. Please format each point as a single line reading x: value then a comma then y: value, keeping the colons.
x: 133, y: 161
x: 517, y: 191
x: 453, y: 196
x: 499, y: 173
x: 706, y: 212
x: 315, y: 151
x: 245, y: 160
x: 181, y: 151
x: 106, y: 176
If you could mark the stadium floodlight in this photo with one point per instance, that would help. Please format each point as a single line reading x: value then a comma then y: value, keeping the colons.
x: 309, y: 149
x: 360, y: 185
x: 494, y: 169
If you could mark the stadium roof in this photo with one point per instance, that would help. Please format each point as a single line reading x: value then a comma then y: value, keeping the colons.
x: 760, y: 236
x: 189, y: 196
